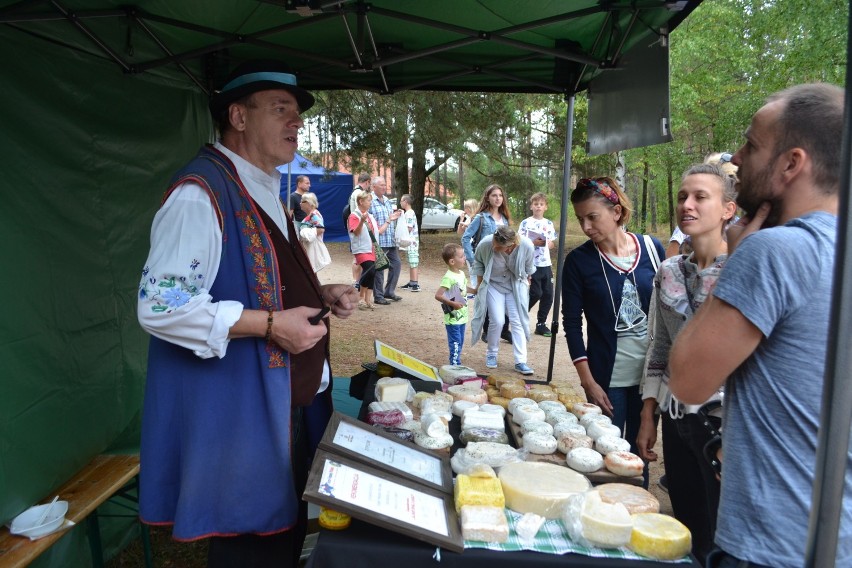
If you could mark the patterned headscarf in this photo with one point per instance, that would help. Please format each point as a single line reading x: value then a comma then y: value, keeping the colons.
x: 600, y: 187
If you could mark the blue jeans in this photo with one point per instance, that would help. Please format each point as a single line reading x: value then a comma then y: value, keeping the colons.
x: 626, y: 407
x: 455, y: 341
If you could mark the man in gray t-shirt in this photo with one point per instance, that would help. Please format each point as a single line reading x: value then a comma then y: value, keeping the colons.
x: 764, y: 329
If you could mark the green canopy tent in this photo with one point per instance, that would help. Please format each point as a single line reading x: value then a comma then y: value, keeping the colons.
x: 104, y: 100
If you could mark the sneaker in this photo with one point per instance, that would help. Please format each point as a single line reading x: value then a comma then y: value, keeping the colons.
x: 663, y: 483
x: 471, y: 296
x: 491, y: 361
x: 541, y: 329
x: 406, y: 287
x: 523, y: 369
x: 414, y: 288
x: 381, y: 302
x: 395, y: 298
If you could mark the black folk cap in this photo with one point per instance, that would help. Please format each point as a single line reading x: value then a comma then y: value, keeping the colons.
x: 258, y: 75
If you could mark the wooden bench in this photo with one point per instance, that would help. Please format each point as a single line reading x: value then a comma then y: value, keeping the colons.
x: 105, y: 477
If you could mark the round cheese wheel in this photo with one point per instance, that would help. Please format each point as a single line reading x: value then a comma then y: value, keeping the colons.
x: 636, y: 499
x: 460, y: 406
x: 540, y: 488
x: 555, y: 417
x: 539, y: 443
x: 606, y: 525
x: 585, y: 460
x: 464, y: 392
x: 581, y: 408
x: 562, y: 428
x: 499, y: 401
x: 551, y: 405
x: 587, y: 419
x: 606, y: 444
x: 541, y: 395
x: 598, y: 429
x: 659, y: 537
x: 491, y: 453
x: 500, y: 381
x: 521, y: 401
x: 569, y: 399
x: 524, y: 413
x: 536, y: 426
x: 568, y: 442
x: 433, y: 442
x: 624, y: 463
x: 511, y: 390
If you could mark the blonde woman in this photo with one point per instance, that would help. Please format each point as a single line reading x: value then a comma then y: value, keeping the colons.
x: 705, y: 206
x: 309, y: 206
x: 360, y: 224
x: 470, y: 205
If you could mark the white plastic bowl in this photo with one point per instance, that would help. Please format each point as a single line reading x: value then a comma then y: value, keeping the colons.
x: 24, y: 524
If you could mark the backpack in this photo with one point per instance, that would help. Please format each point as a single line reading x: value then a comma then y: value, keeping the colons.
x: 346, y: 213
x: 475, y: 240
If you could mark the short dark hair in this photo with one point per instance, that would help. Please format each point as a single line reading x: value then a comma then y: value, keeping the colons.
x: 449, y: 251
x: 223, y: 120
x: 299, y: 179
x: 812, y: 119
x: 363, y: 176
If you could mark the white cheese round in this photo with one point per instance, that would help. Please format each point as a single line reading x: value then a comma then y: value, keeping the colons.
x: 472, y: 394
x: 555, y: 416
x: 598, y: 429
x: 562, y: 428
x: 539, y: 443
x: 568, y: 442
x: 433, y: 442
x: 606, y: 444
x: 636, y: 499
x: 495, y: 408
x: 516, y: 402
x: 581, y: 408
x: 585, y: 460
x: 524, y: 413
x: 551, y: 405
x: 540, y: 488
x: 587, y: 419
x: 624, y: 463
x: 536, y: 426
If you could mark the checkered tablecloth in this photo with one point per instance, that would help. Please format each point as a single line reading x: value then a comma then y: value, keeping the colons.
x: 552, y: 538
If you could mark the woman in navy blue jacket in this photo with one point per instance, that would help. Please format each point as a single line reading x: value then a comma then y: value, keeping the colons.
x: 608, y: 279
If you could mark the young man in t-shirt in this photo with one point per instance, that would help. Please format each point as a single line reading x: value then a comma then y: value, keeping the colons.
x: 541, y: 232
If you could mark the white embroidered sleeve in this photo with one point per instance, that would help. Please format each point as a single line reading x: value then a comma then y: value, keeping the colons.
x: 174, y: 303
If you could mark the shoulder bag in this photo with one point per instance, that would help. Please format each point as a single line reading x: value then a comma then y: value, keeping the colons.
x: 382, y: 261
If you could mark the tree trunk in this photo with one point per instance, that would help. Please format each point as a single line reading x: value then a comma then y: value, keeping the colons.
x: 461, y: 183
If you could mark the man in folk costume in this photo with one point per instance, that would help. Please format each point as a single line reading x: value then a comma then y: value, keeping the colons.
x: 238, y: 390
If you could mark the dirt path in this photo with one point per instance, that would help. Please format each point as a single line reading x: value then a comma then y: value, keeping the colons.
x: 415, y: 325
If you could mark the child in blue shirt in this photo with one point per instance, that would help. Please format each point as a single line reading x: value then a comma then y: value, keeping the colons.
x: 451, y: 294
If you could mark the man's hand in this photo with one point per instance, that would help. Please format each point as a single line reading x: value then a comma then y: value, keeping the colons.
x: 647, y: 437
x: 292, y: 331
x: 746, y: 226
x: 596, y: 395
x: 341, y: 298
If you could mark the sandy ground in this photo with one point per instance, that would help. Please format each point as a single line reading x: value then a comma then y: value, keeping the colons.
x: 415, y: 325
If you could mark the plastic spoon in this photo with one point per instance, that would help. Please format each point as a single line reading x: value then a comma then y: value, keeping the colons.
x: 44, y: 515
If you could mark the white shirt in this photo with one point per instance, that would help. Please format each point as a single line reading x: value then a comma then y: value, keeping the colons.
x: 174, y: 302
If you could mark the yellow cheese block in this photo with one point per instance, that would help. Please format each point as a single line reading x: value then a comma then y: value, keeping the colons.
x: 540, y: 488
x: 659, y: 537
x: 478, y: 491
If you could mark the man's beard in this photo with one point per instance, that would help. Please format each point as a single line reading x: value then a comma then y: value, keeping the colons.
x: 759, y: 190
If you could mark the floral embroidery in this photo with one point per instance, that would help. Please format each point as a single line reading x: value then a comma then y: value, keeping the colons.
x: 168, y: 294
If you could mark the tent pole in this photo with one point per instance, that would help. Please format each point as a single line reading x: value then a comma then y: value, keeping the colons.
x: 836, y: 415
x: 563, y: 223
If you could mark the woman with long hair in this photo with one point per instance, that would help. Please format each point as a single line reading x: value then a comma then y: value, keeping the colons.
x: 504, y: 263
x: 492, y: 213
x: 705, y: 206
x: 360, y: 224
x: 608, y: 279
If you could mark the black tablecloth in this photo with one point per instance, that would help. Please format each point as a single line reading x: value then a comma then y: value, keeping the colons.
x: 365, y: 545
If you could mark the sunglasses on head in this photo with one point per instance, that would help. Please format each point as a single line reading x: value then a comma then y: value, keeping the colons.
x: 725, y: 158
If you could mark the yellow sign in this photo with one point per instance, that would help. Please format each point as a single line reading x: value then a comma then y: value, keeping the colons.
x: 404, y: 362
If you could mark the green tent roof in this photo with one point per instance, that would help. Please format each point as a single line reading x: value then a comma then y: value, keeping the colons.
x: 386, y: 46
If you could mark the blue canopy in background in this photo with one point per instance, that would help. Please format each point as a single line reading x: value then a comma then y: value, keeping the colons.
x: 331, y: 188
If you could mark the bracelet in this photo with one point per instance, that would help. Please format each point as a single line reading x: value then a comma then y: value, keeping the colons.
x: 269, y: 325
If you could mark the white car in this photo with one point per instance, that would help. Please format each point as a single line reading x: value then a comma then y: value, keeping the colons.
x: 437, y: 216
